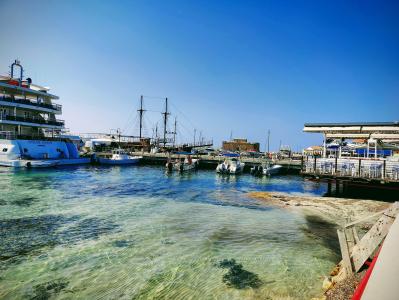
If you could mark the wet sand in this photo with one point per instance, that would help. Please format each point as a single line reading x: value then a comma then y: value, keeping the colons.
x: 335, y: 210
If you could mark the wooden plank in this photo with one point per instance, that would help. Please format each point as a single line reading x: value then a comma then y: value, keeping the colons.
x: 350, y: 239
x: 355, y: 235
x: 346, y: 261
x: 364, y: 219
x: 373, y: 238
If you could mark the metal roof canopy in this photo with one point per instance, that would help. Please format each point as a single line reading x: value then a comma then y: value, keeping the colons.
x: 395, y: 123
x: 368, y: 130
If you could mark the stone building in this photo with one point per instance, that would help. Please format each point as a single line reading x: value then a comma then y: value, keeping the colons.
x: 240, y: 145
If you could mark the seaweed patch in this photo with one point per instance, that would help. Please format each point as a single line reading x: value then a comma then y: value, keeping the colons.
x: 30, y: 235
x: 24, y: 202
x: 48, y: 289
x: 122, y: 243
x: 237, y: 277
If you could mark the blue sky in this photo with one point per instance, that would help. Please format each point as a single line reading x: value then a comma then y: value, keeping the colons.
x: 240, y: 66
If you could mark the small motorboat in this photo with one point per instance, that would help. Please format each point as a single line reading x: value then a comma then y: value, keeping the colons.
x: 120, y: 157
x: 231, y: 165
x: 182, y: 165
x: 266, y: 169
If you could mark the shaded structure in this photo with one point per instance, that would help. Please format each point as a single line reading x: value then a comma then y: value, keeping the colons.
x: 365, y: 153
x: 376, y: 135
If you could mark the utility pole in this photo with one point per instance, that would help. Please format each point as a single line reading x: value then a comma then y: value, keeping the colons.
x: 195, y: 131
x: 165, y: 122
x: 141, y: 111
x: 231, y: 135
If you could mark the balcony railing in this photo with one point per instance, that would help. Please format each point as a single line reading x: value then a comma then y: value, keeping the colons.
x: 353, y: 167
x: 33, y: 120
x: 9, y: 135
x: 56, y: 107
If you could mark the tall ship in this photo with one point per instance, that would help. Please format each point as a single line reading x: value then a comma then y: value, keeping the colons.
x: 31, y: 135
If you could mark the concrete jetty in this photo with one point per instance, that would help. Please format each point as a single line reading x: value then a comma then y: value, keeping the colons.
x: 207, y: 161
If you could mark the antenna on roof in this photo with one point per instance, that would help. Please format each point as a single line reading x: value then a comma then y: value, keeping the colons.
x: 17, y: 63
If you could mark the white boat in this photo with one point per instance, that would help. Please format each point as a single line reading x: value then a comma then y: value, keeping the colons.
x: 230, y: 166
x: 272, y: 170
x: 119, y: 157
x: 266, y: 169
x: 182, y: 165
x: 30, y: 133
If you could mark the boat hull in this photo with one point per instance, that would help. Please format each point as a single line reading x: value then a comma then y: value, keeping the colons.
x: 185, y: 167
x: 109, y: 161
x: 274, y: 170
x: 229, y: 170
x: 38, y: 154
x: 22, y: 163
x: 266, y: 170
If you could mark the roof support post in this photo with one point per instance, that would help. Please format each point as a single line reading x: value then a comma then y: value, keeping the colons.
x: 324, y: 147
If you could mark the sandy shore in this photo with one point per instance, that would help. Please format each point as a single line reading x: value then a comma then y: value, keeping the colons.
x: 335, y: 210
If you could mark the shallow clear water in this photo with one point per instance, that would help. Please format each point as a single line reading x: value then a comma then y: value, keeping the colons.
x: 137, y: 233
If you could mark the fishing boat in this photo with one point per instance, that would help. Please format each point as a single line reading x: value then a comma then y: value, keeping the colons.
x: 266, y: 169
x: 182, y: 164
x: 231, y: 165
x: 119, y: 157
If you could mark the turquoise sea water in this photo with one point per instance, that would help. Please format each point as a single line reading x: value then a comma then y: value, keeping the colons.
x: 138, y: 233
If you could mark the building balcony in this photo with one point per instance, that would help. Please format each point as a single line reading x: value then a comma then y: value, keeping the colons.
x: 35, y: 122
x: 28, y: 104
x: 9, y: 135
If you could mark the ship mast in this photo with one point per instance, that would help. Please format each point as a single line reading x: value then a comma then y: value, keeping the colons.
x: 165, y: 122
x: 141, y: 112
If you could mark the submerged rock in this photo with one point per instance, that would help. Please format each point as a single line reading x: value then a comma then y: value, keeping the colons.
x: 237, y: 277
x: 227, y: 263
x: 327, y: 284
